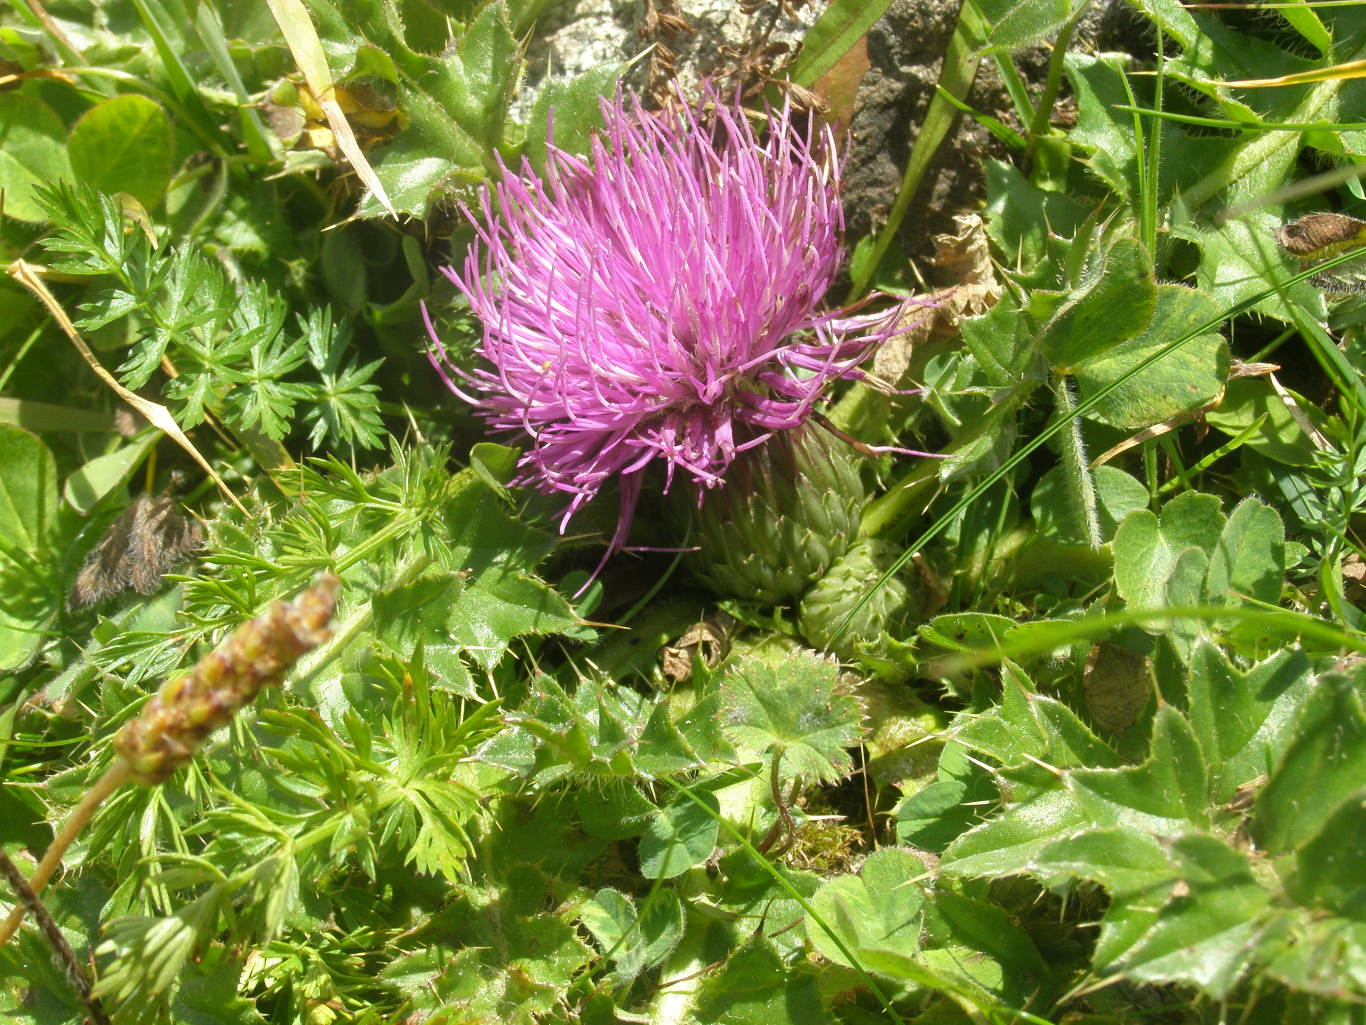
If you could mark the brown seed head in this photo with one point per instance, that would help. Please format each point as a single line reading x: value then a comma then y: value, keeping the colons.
x: 190, y: 707
x: 1321, y: 235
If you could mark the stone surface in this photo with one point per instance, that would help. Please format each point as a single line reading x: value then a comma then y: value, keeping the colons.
x: 905, y: 51
x: 577, y: 35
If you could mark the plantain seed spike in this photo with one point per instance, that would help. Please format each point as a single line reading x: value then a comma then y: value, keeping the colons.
x: 257, y: 654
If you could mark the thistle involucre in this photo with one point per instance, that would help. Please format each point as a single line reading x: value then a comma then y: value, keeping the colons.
x: 660, y: 300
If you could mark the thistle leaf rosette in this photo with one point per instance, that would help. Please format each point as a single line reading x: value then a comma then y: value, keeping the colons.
x: 659, y: 301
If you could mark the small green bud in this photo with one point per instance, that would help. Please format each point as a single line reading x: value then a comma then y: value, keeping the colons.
x: 789, y: 509
x: 836, y: 595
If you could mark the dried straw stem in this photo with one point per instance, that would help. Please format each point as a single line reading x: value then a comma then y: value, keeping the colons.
x: 116, y: 775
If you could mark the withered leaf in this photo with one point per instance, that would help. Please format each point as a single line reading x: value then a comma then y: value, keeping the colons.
x: 147, y: 541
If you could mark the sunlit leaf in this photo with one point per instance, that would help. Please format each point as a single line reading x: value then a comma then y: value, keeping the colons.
x: 793, y: 706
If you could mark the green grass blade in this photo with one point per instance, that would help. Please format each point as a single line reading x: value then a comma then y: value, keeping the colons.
x: 960, y: 68
x: 885, y: 509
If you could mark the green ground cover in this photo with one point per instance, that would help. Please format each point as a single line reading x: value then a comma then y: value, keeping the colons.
x: 1091, y: 745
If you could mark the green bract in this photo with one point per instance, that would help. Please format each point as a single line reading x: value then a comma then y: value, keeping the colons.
x: 789, y: 509
x: 831, y: 617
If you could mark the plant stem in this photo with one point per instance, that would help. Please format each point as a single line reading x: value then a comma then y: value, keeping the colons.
x: 886, y: 512
x: 75, y: 974
x: 1081, y: 487
x: 1038, y: 125
x: 783, y: 824
x: 114, y: 777
x: 960, y: 68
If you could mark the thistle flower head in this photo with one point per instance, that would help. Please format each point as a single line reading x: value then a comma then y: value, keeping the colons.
x: 659, y: 301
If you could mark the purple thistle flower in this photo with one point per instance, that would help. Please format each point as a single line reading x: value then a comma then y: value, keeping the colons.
x: 659, y: 300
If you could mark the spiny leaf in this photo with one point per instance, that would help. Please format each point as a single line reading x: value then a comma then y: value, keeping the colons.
x: 1126, y: 862
x: 1206, y: 934
x: 1328, y: 868
x: 1164, y: 795
x: 1007, y: 843
x: 1324, y: 767
x: 1029, y: 727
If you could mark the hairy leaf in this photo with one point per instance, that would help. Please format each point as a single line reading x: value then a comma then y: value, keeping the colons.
x: 880, y: 908
x: 793, y: 707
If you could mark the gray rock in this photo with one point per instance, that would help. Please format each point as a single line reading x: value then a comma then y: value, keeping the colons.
x: 575, y: 36
x: 905, y: 55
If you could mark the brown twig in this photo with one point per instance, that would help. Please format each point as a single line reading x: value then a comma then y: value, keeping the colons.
x: 115, y: 776
x: 75, y: 974
x: 785, y: 822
